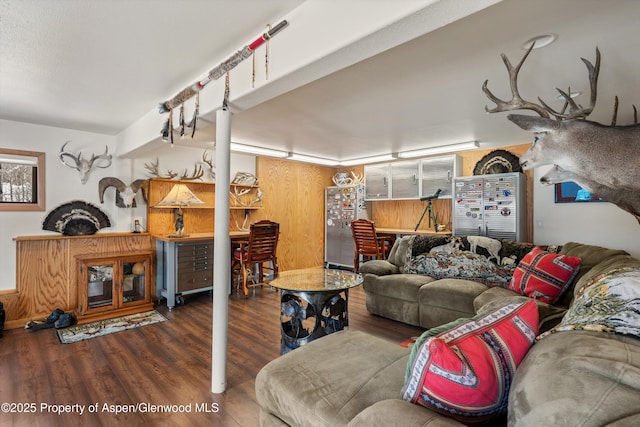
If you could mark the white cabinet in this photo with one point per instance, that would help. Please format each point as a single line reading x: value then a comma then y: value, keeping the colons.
x: 376, y: 178
x: 405, y: 180
x: 437, y: 173
x: 411, y: 179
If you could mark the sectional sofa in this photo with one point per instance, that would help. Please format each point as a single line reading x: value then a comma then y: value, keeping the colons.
x: 583, y: 368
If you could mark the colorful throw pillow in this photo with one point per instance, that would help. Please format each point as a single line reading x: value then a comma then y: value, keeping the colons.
x: 465, y: 372
x: 544, y: 276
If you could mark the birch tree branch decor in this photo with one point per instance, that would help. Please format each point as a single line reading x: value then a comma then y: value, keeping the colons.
x: 215, y: 73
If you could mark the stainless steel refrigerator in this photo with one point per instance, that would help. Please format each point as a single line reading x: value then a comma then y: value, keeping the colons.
x: 490, y: 205
x: 343, y: 204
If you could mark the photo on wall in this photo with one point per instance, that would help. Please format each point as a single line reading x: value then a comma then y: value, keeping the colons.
x: 570, y: 192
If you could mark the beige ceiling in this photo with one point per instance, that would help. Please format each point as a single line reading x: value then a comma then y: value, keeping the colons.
x: 101, y: 65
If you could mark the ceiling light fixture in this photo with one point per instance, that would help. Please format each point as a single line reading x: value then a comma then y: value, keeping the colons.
x: 366, y: 160
x: 241, y: 148
x: 311, y: 159
x: 450, y: 148
x: 540, y: 41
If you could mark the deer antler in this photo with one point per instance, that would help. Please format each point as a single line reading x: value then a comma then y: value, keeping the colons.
x: 197, y: 173
x: 106, y: 156
x: 577, y: 111
x: 154, y: 170
x: 259, y: 197
x: 237, y: 196
x: 209, y: 163
x: 516, y: 102
x: 614, y: 119
x: 570, y: 109
x: 84, y: 166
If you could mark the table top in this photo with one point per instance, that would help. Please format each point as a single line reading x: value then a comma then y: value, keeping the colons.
x: 196, y: 237
x: 406, y: 231
x: 317, y: 279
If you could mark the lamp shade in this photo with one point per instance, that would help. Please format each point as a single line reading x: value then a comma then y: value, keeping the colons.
x: 180, y: 195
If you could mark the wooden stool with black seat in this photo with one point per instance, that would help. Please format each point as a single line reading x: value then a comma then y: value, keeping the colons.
x: 258, y: 253
x: 368, y: 244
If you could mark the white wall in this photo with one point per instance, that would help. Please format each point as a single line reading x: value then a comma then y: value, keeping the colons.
x: 62, y: 184
x: 596, y: 223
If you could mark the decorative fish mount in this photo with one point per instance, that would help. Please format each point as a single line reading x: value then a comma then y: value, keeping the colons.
x: 125, y: 194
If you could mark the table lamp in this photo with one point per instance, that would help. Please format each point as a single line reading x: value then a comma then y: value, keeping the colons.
x: 179, y: 197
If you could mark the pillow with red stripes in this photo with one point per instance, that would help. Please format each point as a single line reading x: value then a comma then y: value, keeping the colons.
x: 544, y: 276
x: 465, y: 372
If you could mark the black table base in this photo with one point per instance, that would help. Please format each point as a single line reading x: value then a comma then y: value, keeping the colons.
x: 307, y: 315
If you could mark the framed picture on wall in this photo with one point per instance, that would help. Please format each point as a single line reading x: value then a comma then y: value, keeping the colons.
x: 570, y: 192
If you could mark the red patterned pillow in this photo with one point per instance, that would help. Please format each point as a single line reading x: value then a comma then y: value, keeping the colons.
x: 466, y: 372
x: 544, y: 276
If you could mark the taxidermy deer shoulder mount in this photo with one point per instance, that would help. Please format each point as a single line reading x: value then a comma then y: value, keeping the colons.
x: 84, y: 166
x: 601, y: 158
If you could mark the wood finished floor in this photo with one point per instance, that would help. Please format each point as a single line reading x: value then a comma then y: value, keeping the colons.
x: 162, y: 364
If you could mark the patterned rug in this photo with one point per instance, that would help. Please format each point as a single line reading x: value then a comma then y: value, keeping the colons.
x: 108, y: 326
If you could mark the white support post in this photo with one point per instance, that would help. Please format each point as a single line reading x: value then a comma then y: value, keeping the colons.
x: 222, y: 254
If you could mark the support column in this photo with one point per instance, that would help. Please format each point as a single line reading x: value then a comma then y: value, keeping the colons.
x: 222, y: 254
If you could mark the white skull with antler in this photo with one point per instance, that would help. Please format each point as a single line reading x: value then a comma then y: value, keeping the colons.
x: 125, y: 194
x: 84, y: 166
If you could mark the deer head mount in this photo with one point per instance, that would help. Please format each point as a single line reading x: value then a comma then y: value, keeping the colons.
x: 601, y: 158
x: 125, y: 194
x: 84, y: 166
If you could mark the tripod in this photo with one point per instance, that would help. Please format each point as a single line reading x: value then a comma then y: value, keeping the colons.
x: 429, y: 208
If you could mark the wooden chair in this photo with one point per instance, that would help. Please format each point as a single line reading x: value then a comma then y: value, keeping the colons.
x: 368, y: 243
x: 258, y: 254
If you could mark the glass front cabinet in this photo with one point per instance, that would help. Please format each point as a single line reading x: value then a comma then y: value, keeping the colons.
x: 114, y: 285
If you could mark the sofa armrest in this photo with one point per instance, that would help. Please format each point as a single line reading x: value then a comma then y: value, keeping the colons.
x: 379, y: 268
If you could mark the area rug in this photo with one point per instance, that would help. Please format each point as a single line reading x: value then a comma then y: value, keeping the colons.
x: 108, y: 326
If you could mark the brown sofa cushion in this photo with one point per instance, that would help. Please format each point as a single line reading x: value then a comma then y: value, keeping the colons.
x: 332, y: 379
x: 394, y: 412
x: 378, y: 267
x: 399, y: 286
x: 578, y: 378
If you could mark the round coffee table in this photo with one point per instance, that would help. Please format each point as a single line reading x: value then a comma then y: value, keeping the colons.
x: 313, y: 304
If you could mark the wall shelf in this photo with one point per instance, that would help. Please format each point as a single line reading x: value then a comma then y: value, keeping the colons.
x: 197, y: 218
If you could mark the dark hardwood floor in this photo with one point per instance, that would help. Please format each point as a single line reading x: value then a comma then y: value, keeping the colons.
x: 168, y: 363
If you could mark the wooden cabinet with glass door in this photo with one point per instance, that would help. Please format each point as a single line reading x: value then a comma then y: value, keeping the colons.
x: 114, y: 285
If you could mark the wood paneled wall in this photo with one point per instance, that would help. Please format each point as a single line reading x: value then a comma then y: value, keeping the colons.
x: 46, y: 276
x: 294, y: 197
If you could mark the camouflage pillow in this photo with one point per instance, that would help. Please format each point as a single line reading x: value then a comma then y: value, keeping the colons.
x: 609, y: 302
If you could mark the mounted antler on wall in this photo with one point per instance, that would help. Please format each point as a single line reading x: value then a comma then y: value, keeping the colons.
x: 84, y: 166
x: 125, y: 194
x: 210, y: 165
x: 154, y: 170
x: 602, y: 159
